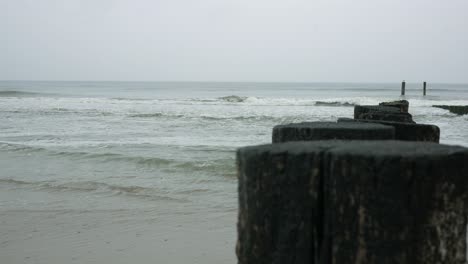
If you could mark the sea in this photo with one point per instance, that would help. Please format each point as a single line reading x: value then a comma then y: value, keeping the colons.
x: 165, y: 148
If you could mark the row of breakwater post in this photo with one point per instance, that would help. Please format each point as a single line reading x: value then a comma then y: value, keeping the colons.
x: 403, y: 88
x: 362, y: 190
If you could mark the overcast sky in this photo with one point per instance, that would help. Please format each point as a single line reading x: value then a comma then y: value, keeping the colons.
x: 234, y: 40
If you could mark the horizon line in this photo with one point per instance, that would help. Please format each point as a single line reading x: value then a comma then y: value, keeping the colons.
x: 214, y: 81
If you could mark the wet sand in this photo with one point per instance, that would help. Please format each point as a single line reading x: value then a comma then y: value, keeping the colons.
x: 119, y: 236
x: 157, y: 232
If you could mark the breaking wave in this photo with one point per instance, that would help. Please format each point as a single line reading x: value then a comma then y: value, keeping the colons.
x: 233, y: 98
x: 322, y: 103
x: 214, y: 117
x: 147, y: 115
x: 92, y: 186
x: 222, y: 167
x: 13, y: 93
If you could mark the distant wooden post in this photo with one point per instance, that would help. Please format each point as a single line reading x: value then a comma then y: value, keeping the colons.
x: 403, y: 84
x: 424, y: 88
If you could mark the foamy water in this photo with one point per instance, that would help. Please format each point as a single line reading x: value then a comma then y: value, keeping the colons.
x: 165, y: 148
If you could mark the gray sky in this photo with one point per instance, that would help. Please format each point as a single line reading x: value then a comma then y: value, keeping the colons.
x: 234, y: 40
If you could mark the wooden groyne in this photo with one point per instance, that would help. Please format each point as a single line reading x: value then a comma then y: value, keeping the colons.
x: 395, y: 114
x: 346, y: 192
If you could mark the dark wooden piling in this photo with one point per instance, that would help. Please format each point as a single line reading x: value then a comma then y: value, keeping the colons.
x: 424, y: 88
x: 402, y: 105
x: 382, y: 113
x: 308, y: 131
x: 352, y: 202
x: 406, y: 131
x: 456, y: 109
x: 279, y: 219
x: 403, y: 87
x: 397, y: 203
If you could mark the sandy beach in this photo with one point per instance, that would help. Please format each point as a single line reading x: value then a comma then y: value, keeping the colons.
x: 116, y: 236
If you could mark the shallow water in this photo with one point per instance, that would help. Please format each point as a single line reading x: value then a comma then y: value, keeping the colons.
x: 166, y: 147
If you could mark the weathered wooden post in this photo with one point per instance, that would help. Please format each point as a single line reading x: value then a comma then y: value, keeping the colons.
x: 308, y: 131
x: 403, y: 85
x: 424, y: 88
x: 363, y: 202
x: 385, y: 113
x: 402, y: 105
x: 403, y: 202
x: 456, y: 109
x: 405, y: 131
x: 281, y: 202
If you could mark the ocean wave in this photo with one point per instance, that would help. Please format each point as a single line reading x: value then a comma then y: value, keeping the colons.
x: 130, y: 99
x: 223, y: 167
x: 13, y: 93
x: 207, y: 117
x: 12, y: 181
x: 19, y: 148
x: 323, y: 103
x: 286, y: 101
x: 147, y: 115
x: 243, y: 118
x: 223, y: 100
x: 233, y: 98
x: 92, y: 186
x: 57, y: 111
x: 156, y: 115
